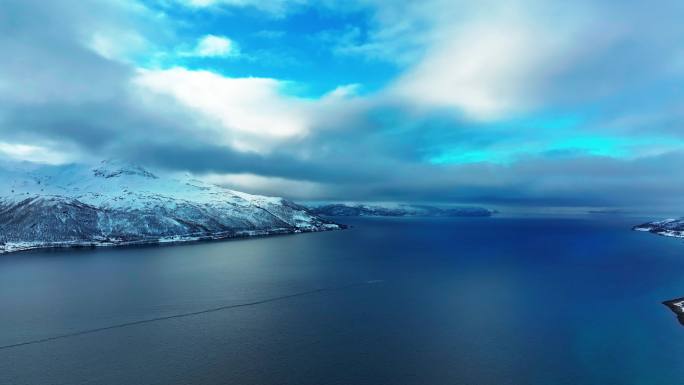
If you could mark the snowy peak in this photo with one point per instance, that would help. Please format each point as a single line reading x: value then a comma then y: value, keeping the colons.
x: 113, y: 169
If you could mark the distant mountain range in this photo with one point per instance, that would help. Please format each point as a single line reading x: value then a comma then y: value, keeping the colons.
x: 397, y: 210
x: 115, y: 203
x: 667, y: 227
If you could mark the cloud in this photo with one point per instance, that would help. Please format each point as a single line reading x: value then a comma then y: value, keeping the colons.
x: 485, y: 70
x: 215, y: 46
x: 491, y: 60
x: 344, y: 91
x: 118, y: 45
x: 252, y: 114
x: 584, y: 106
x: 273, y: 186
x: 273, y: 7
x: 33, y: 153
x: 486, y: 60
x: 58, y: 94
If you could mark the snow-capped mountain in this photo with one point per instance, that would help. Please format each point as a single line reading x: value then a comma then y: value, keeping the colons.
x: 667, y: 227
x: 115, y: 203
x: 397, y: 210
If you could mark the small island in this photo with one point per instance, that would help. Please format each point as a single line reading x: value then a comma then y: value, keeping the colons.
x: 677, y: 307
x: 667, y: 227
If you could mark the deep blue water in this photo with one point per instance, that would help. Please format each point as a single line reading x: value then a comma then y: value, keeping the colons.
x: 450, y: 301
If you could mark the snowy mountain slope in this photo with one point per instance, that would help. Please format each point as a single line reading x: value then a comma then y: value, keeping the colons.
x: 667, y: 227
x: 115, y: 203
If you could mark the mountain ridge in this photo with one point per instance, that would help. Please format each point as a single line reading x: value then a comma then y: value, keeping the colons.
x: 115, y: 203
x: 398, y: 210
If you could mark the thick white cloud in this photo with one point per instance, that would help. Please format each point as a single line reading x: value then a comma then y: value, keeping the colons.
x: 486, y: 60
x: 492, y: 60
x: 252, y: 113
x: 118, y: 44
x: 215, y: 46
x: 486, y: 69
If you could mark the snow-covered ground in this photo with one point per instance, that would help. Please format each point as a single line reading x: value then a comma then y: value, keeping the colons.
x: 667, y: 227
x: 115, y: 203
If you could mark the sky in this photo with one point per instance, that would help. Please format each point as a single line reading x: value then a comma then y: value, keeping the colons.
x: 519, y: 103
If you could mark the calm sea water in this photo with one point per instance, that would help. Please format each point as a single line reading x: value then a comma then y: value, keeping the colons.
x: 433, y: 301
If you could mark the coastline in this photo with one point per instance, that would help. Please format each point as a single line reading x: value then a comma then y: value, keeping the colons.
x: 16, y: 247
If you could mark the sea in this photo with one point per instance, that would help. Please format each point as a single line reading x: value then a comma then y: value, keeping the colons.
x: 521, y: 300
